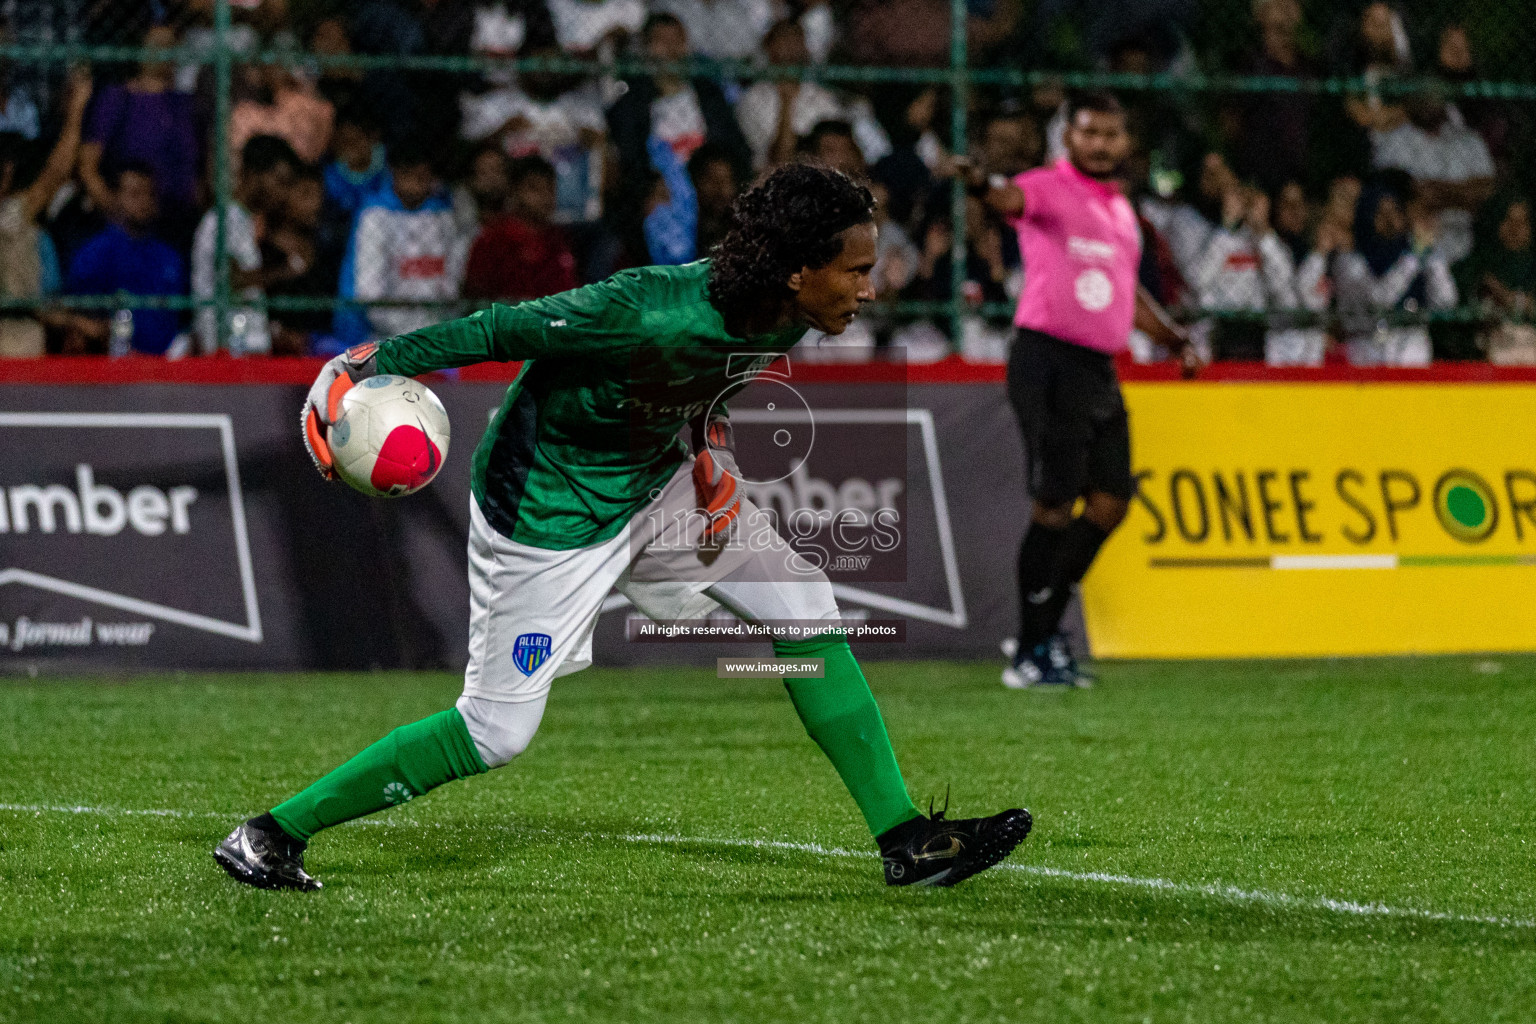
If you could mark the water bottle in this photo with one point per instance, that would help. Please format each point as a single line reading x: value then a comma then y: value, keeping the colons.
x: 1163, y: 178
x: 239, y: 323
x: 120, y: 336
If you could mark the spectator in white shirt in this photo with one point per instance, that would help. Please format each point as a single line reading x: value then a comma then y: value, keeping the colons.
x: 821, y: 29
x: 896, y: 257
x: 585, y: 27
x: 1450, y: 165
x: 507, y: 27
x: 267, y: 166
x: 1394, y: 267
x: 776, y: 115
x: 1243, y: 267
x: 553, y: 116
x: 682, y: 112
x: 405, y: 246
x: 721, y: 29
x: 1187, y: 223
x: 1290, y: 344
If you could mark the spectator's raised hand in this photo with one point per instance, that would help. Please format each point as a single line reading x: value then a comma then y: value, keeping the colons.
x: 61, y: 161
x: 1423, y: 226
x: 1257, y: 217
x: 1234, y: 207
x: 1343, y: 197
x: 1332, y: 237
x: 79, y: 91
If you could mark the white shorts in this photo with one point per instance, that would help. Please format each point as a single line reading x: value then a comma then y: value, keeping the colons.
x: 532, y: 610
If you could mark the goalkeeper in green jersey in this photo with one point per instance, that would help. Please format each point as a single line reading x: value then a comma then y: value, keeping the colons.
x: 583, y: 484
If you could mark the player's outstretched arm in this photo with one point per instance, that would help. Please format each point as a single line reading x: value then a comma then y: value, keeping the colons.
x: 1001, y: 194
x: 580, y: 321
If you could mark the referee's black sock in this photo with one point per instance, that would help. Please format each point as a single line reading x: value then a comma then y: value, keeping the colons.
x: 1080, y: 544
x: 1038, y: 558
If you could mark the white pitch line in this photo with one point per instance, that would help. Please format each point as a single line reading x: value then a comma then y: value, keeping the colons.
x: 1229, y: 893
x: 109, y: 811
x: 1333, y: 561
x: 1278, y: 899
x: 1224, y: 892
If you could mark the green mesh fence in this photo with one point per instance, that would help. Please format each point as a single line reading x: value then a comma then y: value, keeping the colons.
x: 1292, y: 100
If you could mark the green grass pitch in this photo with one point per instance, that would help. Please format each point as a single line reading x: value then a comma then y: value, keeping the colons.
x: 1214, y: 842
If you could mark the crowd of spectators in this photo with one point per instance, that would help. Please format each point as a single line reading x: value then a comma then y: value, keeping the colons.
x: 1291, y: 225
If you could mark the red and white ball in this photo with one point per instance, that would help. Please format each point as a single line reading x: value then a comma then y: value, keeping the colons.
x: 391, y: 436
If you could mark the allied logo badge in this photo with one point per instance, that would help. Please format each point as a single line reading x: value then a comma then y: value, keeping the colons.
x: 529, y: 651
x: 397, y: 793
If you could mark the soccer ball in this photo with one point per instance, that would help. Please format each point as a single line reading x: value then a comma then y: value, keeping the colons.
x: 391, y: 436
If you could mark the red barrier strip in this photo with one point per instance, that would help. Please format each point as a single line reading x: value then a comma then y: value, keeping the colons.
x: 94, y: 370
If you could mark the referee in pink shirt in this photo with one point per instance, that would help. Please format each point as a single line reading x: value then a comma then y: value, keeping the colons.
x: 1081, y: 248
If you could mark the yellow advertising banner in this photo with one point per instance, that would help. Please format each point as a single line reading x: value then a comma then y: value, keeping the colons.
x: 1322, y: 519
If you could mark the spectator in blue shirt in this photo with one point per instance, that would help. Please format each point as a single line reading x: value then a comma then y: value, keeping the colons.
x: 359, y: 169
x: 125, y: 257
x: 672, y: 211
x: 405, y: 246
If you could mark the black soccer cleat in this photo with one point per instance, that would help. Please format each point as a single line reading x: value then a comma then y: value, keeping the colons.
x: 1065, y: 662
x: 1048, y: 663
x: 264, y: 857
x: 936, y: 851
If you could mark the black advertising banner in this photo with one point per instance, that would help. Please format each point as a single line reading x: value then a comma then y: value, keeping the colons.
x: 181, y: 526
x: 159, y: 492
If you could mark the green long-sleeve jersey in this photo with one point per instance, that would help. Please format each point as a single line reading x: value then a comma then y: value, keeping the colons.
x: 611, y: 374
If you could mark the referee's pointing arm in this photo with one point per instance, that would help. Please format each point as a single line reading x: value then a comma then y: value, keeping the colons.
x: 1004, y: 196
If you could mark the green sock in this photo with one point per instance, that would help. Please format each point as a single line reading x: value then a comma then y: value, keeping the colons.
x: 403, y: 765
x: 842, y: 717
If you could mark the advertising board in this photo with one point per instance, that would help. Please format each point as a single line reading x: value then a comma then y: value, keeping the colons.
x: 1323, y: 519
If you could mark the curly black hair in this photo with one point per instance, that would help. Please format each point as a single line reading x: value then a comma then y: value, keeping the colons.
x: 790, y: 220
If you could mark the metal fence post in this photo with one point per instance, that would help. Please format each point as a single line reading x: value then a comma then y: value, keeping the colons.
x: 221, y: 177
x: 959, y: 86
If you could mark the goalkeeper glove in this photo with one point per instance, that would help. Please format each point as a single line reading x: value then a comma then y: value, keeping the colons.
x: 323, y: 404
x: 716, y: 480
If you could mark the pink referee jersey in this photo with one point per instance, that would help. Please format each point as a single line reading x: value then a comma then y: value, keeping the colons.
x: 1081, y: 247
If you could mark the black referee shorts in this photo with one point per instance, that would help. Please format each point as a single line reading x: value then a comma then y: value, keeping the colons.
x: 1076, y: 436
